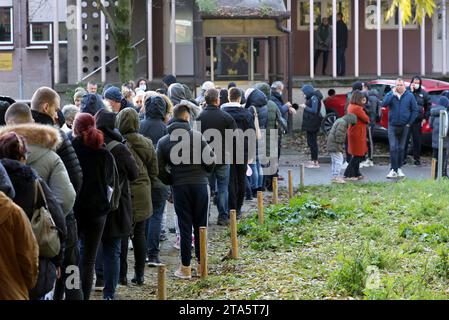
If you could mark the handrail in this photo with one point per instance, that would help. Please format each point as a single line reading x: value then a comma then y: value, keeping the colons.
x: 110, y: 61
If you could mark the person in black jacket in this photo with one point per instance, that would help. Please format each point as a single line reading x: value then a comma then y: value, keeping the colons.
x: 93, y: 202
x: 91, y: 103
x: 13, y: 154
x: 342, y: 44
x: 237, y: 178
x: 118, y: 222
x: 44, y: 106
x: 424, y: 103
x: 189, y: 178
x: 154, y: 128
x: 213, y: 118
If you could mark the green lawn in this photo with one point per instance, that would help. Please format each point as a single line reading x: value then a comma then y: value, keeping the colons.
x: 362, y: 241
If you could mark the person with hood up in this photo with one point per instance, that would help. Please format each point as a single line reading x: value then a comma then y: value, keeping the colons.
x: 91, y: 104
x: 415, y: 134
x: 311, y: 122
x: 189, y: 180
x: 13, y: 152
x: 256, y: 104
x: 206, y: 86
x: 275, y: 123
x: 335, y: 144
x: 154, y: 127
x: 5, y: 102
x: 19, y: 249
x: 145, y: 155
x: 237, y: 176
x: 93, y: 202
x: 118, y: 222
x: 443, y: 104
x: 177, y: 94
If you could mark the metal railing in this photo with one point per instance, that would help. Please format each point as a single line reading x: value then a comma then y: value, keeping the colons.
x: 442, y: 135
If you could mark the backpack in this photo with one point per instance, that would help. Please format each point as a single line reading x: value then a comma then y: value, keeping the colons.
x: 44, y: 227
x: 323, y: 111
x: 116, y: 188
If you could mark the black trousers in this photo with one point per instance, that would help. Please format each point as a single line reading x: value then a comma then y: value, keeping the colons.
x: 325, y: 58
x: 139, y: 240
x: 353, y: 169
x: 312, y: 142
x: 416, y: 136
x: 341, y: 61
x: 124, y: 258
x: 237, y: 180
x: 192, y: 203
x: 71, y: 258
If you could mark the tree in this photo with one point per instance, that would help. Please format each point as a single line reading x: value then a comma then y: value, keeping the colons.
x: 119, y: 18
x: 422, y: 8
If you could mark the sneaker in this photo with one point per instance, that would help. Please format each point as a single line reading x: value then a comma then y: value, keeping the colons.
x: 193, y: 241
x: 99, y: 285
x: 280, y: 178
x: 130, y: 245
x: 371, y: 163
x: 344, y: 165
x: 360, y: 177
x: 338, y: 180
x: 154, y: 262
x: 223, y: 222
x: 138, y: 280
x: 177, y: 243
x: 400, y: 173
x: 364, y: 164
x: 417, y: 163
x: 184, y: 272
x: 392, y: 175
x: 123, y: 281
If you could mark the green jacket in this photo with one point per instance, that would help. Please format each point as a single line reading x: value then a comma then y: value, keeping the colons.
x: 337, y: 135
x: 145, y: 155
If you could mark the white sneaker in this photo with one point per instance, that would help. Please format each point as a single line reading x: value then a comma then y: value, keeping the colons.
x: 364, y: 164
x: 130, y: 244
x: 400, y: 173
x: 392, y: 174
x: 344, y: 165
x: 370, y: 163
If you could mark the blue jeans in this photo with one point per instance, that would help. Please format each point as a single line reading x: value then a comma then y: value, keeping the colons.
x: 397, y: 137
x: 221, y: 175
x: 111, y: 265
x: 154, y: 224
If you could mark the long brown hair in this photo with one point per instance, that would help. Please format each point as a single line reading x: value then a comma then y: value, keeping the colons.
x: 357, y: 98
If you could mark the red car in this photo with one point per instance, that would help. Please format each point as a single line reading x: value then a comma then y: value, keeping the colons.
x: 335, y: 105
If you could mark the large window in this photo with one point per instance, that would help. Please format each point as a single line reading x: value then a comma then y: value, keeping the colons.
x: 320, y: 7
x: 6, y: 26
x: 392, y: 23
x: 41, y: 33
x: 184, y: 21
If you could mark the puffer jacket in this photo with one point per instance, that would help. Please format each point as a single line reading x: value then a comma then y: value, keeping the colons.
x: 23, y: 179
x: 312, y: 119
x: 18, y: 251
x: 118, y: 222
x: 338, y: 133
x: 5, y: 183
x: 65, y: 151
x: 258, y: 100
x: 145, y: 155
x: 443, y: 104
x: 43, y: 141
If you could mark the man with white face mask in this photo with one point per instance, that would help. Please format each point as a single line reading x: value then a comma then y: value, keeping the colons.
x: 424, y: 103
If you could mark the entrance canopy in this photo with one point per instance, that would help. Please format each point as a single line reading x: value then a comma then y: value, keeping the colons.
x: 250, y: 18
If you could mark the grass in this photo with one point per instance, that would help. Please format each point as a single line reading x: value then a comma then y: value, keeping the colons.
x: 361, y: 241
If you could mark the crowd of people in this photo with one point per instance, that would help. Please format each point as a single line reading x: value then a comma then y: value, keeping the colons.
x: 101, y: 171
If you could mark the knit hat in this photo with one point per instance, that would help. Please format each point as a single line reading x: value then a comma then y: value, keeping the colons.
x: 357, y: 86
x: 169, y: 80
x: 114, y: 94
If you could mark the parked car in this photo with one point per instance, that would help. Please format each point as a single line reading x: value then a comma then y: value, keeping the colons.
x: 335, y: 106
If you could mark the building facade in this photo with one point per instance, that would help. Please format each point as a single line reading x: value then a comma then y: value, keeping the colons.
x: 39, y: 47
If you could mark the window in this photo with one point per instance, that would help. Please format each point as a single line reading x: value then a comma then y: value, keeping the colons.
x: 184, y: 21
x: 41, y: 33
x: 319, y: 7
x: 6, y: 26
x: 62, y: 33
x: 392, y: 23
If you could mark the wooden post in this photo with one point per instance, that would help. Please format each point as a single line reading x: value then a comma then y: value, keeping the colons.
x: 260, y: 206
x: 434, y: 169
x: 275, y: 190
x: 290, y: 184
x: 161, y: 287
x: 235, y: 246
x: 301, y: 178
x: 203, y: 251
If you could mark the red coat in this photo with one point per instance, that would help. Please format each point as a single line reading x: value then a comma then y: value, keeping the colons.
x: 357, y: 133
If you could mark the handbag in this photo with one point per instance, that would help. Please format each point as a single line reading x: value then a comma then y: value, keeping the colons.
x: 44, y: 227
x: 256, y: 124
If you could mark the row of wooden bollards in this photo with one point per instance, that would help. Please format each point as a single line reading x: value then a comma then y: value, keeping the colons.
x: 162, y: 289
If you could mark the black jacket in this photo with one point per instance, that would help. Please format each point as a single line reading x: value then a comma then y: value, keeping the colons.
x: 312, y: 119
x: 213, y: 117
x: 119, y: 222
x: 186, y: 171
x: 154, y: 128
x: 92, y: 201
x: 342, y: 35
x: 23, y: 179
x: 258, y: 100
x: 244, y: 121
x: 65, y: 151
x: 92, y: 103
x: 422, y: 100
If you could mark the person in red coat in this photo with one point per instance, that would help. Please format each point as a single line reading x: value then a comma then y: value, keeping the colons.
x: 357, y: 145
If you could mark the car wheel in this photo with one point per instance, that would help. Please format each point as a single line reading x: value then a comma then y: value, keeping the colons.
x: 328, y: 122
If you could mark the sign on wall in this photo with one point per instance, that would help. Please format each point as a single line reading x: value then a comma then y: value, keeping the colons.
x: 6, y: 62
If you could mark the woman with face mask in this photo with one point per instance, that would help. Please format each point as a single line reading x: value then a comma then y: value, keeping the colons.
x: 142, y: 84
